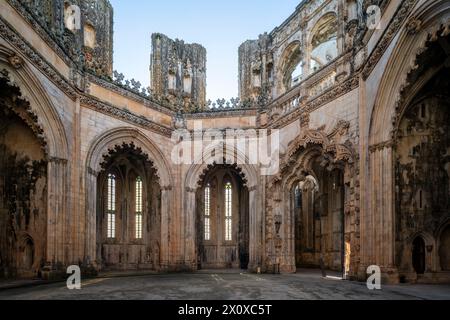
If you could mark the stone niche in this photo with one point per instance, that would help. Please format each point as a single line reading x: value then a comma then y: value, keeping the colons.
x: 23, y: 193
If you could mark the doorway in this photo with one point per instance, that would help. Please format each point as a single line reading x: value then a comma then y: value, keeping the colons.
x: 418, y: 255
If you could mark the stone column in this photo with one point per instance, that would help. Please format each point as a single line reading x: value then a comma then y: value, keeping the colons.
x: 91, y: 217
x: 288, y: 233
x: 255, y: 224
x: 190, y: 258
x: 379, y: 221
x: 166, y: 193
x: 56, y: 213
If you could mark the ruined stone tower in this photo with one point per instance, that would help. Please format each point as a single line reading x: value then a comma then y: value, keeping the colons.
x: 82, y: 28
x: 178, y: 72
x: 255, y: 67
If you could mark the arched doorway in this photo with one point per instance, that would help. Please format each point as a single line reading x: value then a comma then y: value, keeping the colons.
x: 318, y: 205
x: 418, y: 255
x: 444, y: 249
x: 23, y: 187
x: 310, y: 205
x: 222, y: 219
x: 28, y: 255
x: 129, y: 211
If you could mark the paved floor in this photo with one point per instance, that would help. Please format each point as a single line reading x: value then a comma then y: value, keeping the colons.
x: 226, y: 286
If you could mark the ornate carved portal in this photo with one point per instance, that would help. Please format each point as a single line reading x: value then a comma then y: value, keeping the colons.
x: 222, y: 222
x: 129, y: 211
x: 312, y: 206
x: 318, y: 213
x: 23, y: 187
x: 422, y: 145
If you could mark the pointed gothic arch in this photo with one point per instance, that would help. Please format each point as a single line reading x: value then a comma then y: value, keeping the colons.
x: 398, y: 86
x: 96, y: 156
x: 191, y: 182
x: 316, y: 154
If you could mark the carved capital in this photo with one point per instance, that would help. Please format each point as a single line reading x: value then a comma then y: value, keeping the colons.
x: 58, y: 160
x: 381, y: 146
x: 92, y: 172
x: 190, y: 190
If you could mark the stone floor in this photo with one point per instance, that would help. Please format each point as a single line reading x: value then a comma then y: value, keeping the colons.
x: 207, y: 285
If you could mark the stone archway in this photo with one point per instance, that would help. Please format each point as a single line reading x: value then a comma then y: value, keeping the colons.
x: 323, y: 42
x: 23, y: 186
x: 128, y: 212
x: 43, y: 113
x: 397, y: 88
x: 289, y: 61
x: 96, y: 156
x: 191, y: 182
x: 222, y: 218
x: 313, y: 154
x: 418, y: 255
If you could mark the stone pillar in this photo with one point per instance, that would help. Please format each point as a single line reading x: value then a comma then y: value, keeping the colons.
x: 91, y: 217
x: 190, y: 258
x: 288, y: 264
x: 56, y: 212
x: 165, y: 222
x: 379, y: 221
x: 255, y: 224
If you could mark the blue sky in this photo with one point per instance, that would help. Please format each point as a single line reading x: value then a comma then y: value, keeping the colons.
x: 220, y: 26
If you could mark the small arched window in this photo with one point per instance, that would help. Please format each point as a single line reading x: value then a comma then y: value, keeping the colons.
x: 208, y: 213
x: 228, y: 212
x: 298, y: 197
x: 111, y: 207
x: 138, y: 217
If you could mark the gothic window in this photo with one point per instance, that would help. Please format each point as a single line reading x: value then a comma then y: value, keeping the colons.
x: 297, y: 74
x: 420, y: 199
x: 292, y: 66
x: 138, y: 219
x: 111, y: 207
x: 208, y: 213
x: 423, y: 111
x: 228, y: 212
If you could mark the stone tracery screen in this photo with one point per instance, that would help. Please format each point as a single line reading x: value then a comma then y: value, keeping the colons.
x: 208, y: 213
x: 138, y: 226
x: 111, y: 203
x: 228, y: 212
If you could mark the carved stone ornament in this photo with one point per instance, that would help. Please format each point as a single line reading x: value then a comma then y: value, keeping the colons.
x: 16, y: 61
x: 413, y: 26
